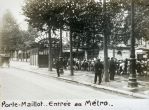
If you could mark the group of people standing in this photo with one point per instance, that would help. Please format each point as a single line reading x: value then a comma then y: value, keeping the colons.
x: 142, y: 67
x: 98, y: 68
x: 95, y: 65
x: 119, y: 67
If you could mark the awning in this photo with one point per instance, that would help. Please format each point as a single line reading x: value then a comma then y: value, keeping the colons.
x: 140, y: 51
x: 142, y: 48
x: 121, y: 45
x: 74, y: 50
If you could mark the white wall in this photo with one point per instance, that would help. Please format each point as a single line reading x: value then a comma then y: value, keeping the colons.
x: 125, y: 54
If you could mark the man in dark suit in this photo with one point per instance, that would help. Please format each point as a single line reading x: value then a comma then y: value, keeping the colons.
x: 112, y: 69
x: 98, y: 71
x: 59, y: 66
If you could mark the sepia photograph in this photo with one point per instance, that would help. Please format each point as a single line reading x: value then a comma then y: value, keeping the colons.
x: 74, y: 54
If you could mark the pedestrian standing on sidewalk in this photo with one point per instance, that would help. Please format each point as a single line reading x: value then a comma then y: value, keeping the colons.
x: 125, y: 66
x: 139, y: 68
x: 59, y: 66
x: 98, y: 71
x: 112, y: 69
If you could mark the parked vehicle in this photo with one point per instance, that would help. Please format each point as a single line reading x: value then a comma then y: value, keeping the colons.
x: 4, y: 60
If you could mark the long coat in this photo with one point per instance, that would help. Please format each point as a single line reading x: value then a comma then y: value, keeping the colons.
x: 59, y: 64
x: 98, y: 67
x: 112, y: 67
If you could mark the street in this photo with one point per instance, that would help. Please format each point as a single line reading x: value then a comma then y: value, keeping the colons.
x: 23, y: 85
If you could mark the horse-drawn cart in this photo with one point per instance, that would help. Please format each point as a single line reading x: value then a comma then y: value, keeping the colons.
x: 4, y: 60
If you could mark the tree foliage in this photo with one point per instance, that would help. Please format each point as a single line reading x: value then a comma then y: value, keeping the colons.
x: 27, y: 38
x: 85, y: 18
x: 43, y: 13
x: 141, y: 22
x: 10, y: 33
x: 122, y: 22
x: 12, y: 38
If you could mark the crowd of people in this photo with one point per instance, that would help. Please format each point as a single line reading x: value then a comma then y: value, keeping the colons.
x: 119, y: 67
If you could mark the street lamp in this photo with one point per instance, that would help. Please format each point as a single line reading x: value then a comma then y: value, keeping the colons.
x: 132, y: 77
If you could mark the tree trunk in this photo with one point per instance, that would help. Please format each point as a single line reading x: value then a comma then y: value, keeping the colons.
x: 17, y: 56
x: 106, y: 73
x: 50, y: 51
x: 61, y: 46
x: 71, y: 56
x: 26, y: 55
x: 23, y: 55
x: 93, y: 35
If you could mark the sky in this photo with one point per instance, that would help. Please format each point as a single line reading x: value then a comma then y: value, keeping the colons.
x: 15, y: 7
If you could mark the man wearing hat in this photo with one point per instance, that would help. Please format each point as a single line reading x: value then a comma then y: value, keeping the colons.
x: 59, y: 66
x: 98, y: 71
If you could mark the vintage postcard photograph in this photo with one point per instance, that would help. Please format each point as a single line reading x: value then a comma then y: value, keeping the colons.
x: 74, y: 54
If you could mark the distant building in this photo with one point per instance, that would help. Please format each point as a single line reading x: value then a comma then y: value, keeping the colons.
x: 142, y: 49
x: 118, y: 52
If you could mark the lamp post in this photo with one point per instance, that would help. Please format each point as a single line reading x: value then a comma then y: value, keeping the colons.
x: 132, y: 77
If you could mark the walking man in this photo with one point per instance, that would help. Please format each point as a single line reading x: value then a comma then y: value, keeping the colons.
x: 98, y: 71
x: 59, y: 66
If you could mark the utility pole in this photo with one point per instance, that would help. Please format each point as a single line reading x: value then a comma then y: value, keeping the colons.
x: 106, y: 74
x: 132, y: 77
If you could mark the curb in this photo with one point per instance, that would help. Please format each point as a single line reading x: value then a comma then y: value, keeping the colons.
x: 123, y: 92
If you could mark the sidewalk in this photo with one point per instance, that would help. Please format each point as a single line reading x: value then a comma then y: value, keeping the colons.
x: 86, y: 78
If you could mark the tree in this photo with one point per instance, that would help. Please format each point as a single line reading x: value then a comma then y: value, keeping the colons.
x: 27, y: 40
x: 31, y: 34
x: 53, y: 14
x: 41, y: 15
x: 10, y: 33
x: 79, y: 16
x: 141, y: 16
x: 141, y: 21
